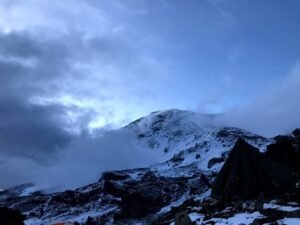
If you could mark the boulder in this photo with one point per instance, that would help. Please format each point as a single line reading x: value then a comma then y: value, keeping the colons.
x: 182, y: 218
x: 286, y: 152
x: 138, y: 205
x: 296, y: 133
x: 11, y: 217
x: 214, y: 161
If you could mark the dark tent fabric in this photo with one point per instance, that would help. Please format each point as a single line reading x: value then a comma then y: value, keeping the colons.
x: 247, y: 173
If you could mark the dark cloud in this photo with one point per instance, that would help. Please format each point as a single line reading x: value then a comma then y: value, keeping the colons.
x: 31, y: 130
x: 19, y: 45
x: 29, y: 66
x: 27, y: 69
x: 59, y: 71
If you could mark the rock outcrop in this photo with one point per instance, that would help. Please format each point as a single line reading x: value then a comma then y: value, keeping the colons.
x: 11, y: 217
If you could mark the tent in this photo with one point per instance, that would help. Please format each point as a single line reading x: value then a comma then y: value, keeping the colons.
x: 247, y: 174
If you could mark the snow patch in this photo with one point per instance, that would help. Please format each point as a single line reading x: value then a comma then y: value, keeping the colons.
x: 280, y: 207
x: 237, y: 219
x: 289, y: 221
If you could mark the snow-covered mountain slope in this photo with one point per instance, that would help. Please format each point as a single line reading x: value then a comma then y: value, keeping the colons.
x: 185, y: 137
x: 192, y: 147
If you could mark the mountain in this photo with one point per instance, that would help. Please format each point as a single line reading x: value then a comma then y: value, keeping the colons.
x: 186, y: 137
x: 192, y: 149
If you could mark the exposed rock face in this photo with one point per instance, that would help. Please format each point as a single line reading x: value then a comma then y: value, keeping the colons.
x: 210, y: 211
x: 11, y: 217
x: 214, y: 161
x: 296, y: 133
x: 154, y: 192
x: 286, y: 151
x: 182, y: 218
x: 123, y: 194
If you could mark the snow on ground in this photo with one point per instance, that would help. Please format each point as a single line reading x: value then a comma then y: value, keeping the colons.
x: 80, y: 218
x: 136, y: 175
x: 280, y: 207
x: 196, y: 217
x: 203, y: 195
x: 289, y: 221
x: 84, y: 216
x: 237, y: 219
x: 173, y: 204
x: 28, y: 191
x: 32, y: 221
x: 181, y: 201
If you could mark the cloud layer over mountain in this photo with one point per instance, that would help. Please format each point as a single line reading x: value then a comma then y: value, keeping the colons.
x: 276, y: 111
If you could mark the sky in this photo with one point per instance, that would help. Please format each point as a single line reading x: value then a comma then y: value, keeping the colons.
x: 69, y: 67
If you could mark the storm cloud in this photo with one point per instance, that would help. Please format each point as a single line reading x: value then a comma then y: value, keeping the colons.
x: 62, y: 73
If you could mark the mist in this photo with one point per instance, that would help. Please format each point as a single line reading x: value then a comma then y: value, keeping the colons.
x: 81, y: 163
x: 276, y: 111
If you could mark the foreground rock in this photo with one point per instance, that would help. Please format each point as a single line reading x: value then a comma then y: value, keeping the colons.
x: 283, y: 210
x: 286, y: 151
x: 11, y: 217
x: 120, y: 196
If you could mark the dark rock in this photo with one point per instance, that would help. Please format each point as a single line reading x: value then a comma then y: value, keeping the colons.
x: 296, y: 133
x: 138, y: 205
x: 294, y: 214
x: 286, y: 152
x: 113, y: 188
x: 149, y: 175
x: 279, y: 138
x: 11, y: 217
x: 259, y: 206
x: 154, y: 192
x: 177, y: 158
x: 256, y: 222
x: 66, y: 197
x: 90, y: 221
x: 223, y: 133
x: 214, y: 161
x: 182, y: 218
x: 141, y: 136
x: 114, y: 176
